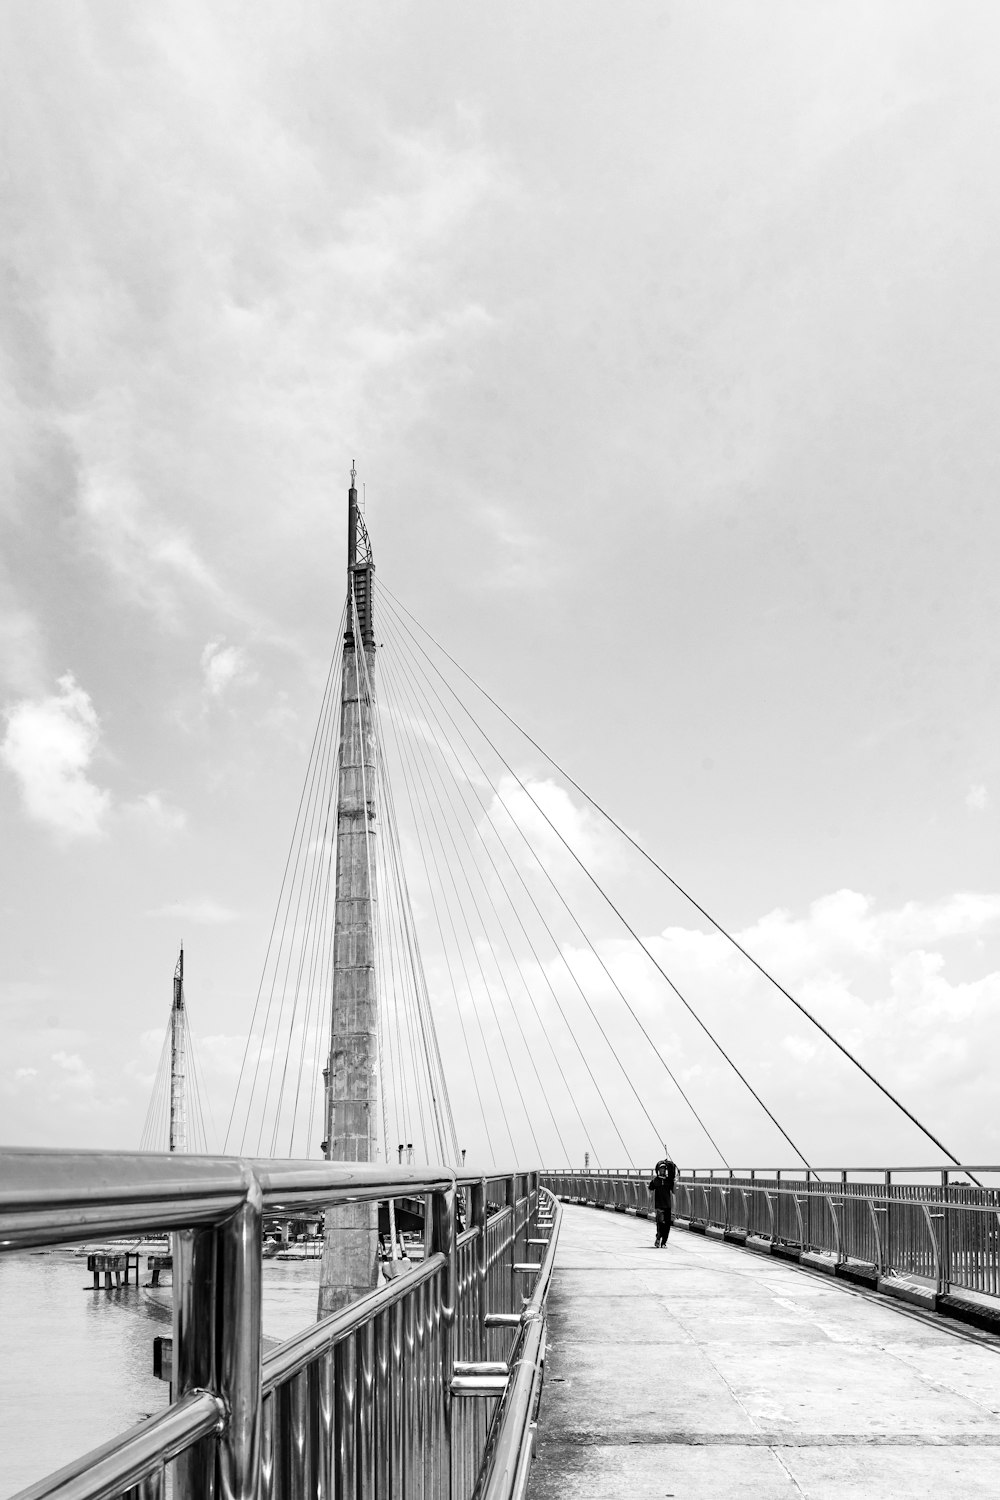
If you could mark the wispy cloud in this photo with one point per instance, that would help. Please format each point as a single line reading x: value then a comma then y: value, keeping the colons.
x: 223, y: 667
x: 152, y: 812
x: 153, y: 559
x: 977, y: 798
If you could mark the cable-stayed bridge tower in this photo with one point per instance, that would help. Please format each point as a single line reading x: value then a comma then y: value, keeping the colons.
x: 175, y: 1119
x: 352, y: 1084
x: 178, y: 1063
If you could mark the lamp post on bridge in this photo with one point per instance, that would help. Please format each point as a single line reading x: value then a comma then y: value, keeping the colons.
x: 350, y: 1250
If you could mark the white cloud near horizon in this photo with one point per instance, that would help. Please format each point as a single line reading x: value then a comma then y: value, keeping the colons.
x: 877, y: 977
x: 870, y: 972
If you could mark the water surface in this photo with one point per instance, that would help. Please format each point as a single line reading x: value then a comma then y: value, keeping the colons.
x: 76, y: 1366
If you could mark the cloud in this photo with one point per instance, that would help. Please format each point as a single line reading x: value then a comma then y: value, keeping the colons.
x: 203, y: 911
x: 151, y: 557
x: 48, y: 747
x: 211, y: 295
x: 846, y: 924
x: 875, y: 976
x: 223, y: 666
x: 25, y: 1072
x: 76, y: 1074
x: 151, y: 812
x: 547, y: 814
x: 977, y: 798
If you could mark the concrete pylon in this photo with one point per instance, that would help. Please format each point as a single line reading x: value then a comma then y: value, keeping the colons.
x: 350, y: 1250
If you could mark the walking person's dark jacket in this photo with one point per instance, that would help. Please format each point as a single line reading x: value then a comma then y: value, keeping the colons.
x: 662, y: 1187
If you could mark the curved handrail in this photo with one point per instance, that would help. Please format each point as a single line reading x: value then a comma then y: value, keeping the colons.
x: 506, y: 1471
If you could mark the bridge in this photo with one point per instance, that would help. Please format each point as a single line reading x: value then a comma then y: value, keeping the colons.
x: 808, y: 1330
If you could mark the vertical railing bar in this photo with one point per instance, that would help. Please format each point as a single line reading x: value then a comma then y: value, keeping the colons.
x: 384, y: 1395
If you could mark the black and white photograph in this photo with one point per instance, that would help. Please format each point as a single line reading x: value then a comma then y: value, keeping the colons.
x: 499, y: 750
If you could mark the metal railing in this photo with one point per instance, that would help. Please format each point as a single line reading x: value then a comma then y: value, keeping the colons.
x: 426, y: 1387
x: 940, y: 1231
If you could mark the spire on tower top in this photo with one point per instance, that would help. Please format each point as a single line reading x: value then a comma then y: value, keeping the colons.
x: 354, y: 475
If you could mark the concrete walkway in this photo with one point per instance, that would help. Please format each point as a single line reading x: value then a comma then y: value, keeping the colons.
x: 705, y: 1370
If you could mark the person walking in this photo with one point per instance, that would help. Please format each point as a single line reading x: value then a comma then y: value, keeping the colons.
x: 661, y: 1185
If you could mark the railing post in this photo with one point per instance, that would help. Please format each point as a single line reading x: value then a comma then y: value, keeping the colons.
x: 944, y: 1277
x: 444, y: 1244
x: 217, y: 1347
x: 239, y: 1270
x: 510, y: 1196
x: 194, y: 1253
x: 808, y: 1228
x: 477, y: 1218
x: 844, y: 1216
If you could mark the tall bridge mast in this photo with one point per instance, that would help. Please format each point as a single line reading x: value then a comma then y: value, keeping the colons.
x: 350, y: 1251
x: 178, y: 1063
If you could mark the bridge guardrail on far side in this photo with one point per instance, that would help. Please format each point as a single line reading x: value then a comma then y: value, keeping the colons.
x: 427, y: 1386
x: 915, y: 1232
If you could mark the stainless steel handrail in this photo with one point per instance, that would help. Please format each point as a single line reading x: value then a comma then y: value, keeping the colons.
x: 53, y: 1197
x: 306, y: 1418
x: 724, y: 1172
x: 506, y: 1472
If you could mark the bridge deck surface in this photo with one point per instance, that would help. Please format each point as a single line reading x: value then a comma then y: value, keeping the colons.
x: 705, y: 1370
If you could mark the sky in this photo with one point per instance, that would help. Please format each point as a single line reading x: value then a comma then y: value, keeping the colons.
x: 665, y: 340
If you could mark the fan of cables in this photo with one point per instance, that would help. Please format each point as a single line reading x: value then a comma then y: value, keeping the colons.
x: 524, y: 984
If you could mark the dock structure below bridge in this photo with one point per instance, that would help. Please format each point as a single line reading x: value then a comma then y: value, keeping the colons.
x: 703, y: 1370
